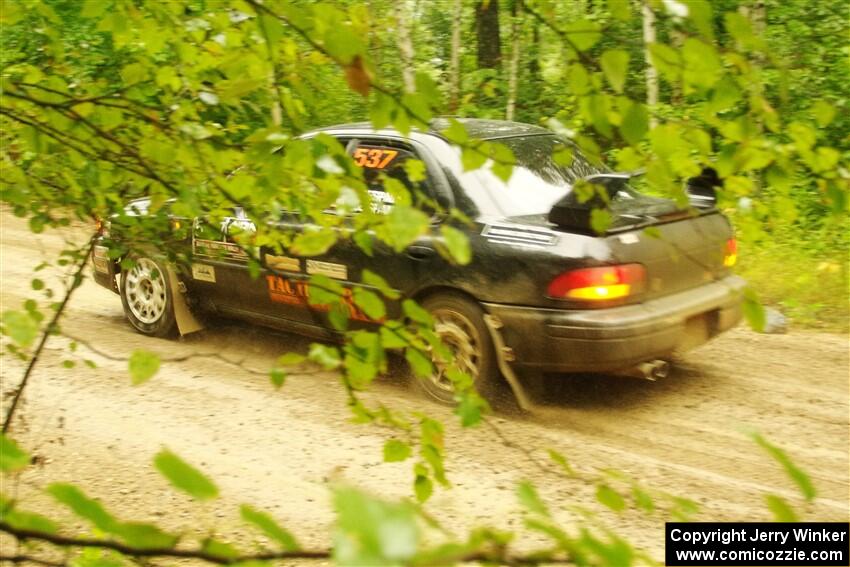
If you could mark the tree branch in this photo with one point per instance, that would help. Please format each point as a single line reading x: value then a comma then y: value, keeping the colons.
x: 76, y: 280
x: 71, y: 542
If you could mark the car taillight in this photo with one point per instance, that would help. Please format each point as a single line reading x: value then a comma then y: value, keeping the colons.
x: 730, y: 253
x: 599, y: 284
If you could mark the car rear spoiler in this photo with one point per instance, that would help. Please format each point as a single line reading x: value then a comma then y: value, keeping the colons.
x: 573, y: 214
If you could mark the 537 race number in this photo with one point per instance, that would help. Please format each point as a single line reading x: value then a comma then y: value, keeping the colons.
x: 374, y: 158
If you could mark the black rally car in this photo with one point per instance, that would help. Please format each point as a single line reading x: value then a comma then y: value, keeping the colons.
x: 543, y: 291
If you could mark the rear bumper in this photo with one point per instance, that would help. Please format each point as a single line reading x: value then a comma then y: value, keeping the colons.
x: 605, y: 340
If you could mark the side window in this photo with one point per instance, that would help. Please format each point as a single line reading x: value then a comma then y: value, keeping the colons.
x: 385, y: 166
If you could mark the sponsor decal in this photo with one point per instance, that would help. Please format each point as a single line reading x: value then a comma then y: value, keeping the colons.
x: 629, y: 238
x: 218, y: 249
x: 336, y: 271
x: 283, y: 263
x: 100, y: 259
x: 297, y: 292
x: 203, y: 272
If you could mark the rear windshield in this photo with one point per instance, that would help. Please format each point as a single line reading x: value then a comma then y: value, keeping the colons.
x: 538, y: 181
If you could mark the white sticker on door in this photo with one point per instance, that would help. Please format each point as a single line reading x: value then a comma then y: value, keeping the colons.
x: 203, y: 273
x: 283, y: 263
x: 336, y: 271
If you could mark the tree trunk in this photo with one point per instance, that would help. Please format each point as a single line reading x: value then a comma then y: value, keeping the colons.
x: 533, y: 53
x: 405, y: 45
x: 487, y: 32
x: 513, y: 67
x: 454, y: 62
x: 651, y: 72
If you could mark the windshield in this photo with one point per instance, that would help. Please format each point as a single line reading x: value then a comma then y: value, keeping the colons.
x: 538, y: 181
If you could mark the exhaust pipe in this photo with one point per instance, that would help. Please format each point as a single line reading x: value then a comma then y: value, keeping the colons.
x: 660, y: 369
x: 652, y: 370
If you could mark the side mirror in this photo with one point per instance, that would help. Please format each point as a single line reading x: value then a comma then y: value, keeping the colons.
x: 702, y: 189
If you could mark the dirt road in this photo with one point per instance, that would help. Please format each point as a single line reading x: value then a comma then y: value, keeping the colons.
x: 280, y: 449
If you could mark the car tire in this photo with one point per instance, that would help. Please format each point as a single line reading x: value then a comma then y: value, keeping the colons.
x: 147, y: 297
x: 460, y: 324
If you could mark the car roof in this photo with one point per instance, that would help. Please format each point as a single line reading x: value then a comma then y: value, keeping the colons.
x: 475, y: 127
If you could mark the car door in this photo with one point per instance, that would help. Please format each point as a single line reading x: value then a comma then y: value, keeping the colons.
x: 219, y: 266
x: 382, y: 158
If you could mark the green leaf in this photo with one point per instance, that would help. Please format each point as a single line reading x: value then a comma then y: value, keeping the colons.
x: 219, y: 549
x: 325, y: 356
x: 423, y: 487
x: 370, y: 278
x: 583, y: 34
x: 360, y: 372
x: 781, y: 510
x: 393, y: 338
x: 145, y: 536
x: 94, y: 8
x: 753, y: 310
x: 472, y: 157
x: 414, y: 312
x: 562, y: 462
x: 420, y: 363
x: 615, y: 65
x: 314, y: 242
x: 268, y: 526
x: 530, y: 499
x: 324, y: 291
x: 800, y: 478
x: 823, y: 112
x: 83, y: 506
x: 642, y: 499
x: 471, y: 406
x: 364, y: 241
x: 456, y: 133
x: 29, y: 521
x: 20, y: 327
x: 457, y: 244
x: 278, y: 377
x: 404, y: 225
x: 184, y: 476
x: 395, y: 451
x: 610, y: 498
x: 290, y: 359
x: 370, y: 302
x: 133, y: 73
x: 635, y: 123
x: 12, y: 458
x: 620, y: 9
x: 600, y: 220
x: 142, y: 366
x: 371, y: 531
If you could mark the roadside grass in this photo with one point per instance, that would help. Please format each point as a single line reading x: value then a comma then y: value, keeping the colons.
x: 809, y: 287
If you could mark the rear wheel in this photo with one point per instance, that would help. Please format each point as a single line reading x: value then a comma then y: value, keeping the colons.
x: 460, y: 324
x: 146, y: 295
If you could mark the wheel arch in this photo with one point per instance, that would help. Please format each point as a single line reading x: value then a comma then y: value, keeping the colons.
x: 433, y: 290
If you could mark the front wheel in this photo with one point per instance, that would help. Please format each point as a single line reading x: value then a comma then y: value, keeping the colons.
x: 146, y: 295
x: 459, y: 323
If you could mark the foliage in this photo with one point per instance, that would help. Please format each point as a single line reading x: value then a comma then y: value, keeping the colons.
x: 199, y: 106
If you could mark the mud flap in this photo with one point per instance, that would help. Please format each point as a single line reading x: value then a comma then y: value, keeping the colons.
x: 523, y: 399
x: 186, y: 321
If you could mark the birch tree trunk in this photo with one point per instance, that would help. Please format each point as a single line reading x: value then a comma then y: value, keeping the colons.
x: 513, y: 65
x: 454, y: 62
x: 651, y: 72
x: 405, y: 45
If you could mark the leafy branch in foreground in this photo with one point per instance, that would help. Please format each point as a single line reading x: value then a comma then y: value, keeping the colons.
x: 369, y: 530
